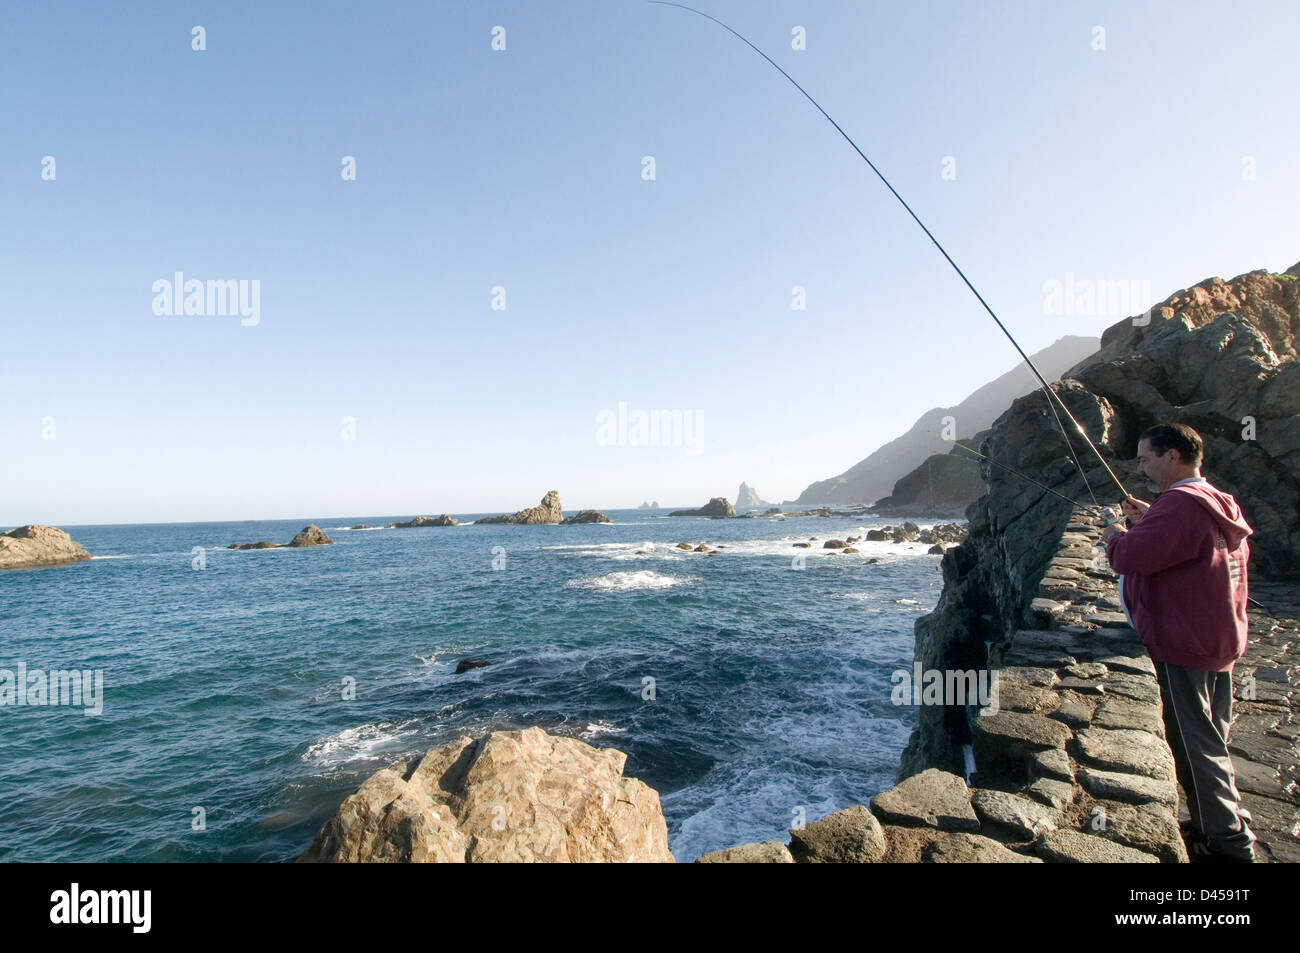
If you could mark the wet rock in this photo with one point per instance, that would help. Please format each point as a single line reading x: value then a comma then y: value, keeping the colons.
x: 465, y: 664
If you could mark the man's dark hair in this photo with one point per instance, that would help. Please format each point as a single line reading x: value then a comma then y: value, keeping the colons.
x: 1180, y: 437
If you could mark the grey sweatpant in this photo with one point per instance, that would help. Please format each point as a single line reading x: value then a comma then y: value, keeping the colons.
x: 1198, y: 713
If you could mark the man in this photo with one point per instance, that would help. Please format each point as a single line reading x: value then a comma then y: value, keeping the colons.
x: 1183, y: 587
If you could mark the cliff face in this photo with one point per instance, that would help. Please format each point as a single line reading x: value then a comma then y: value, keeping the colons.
x: 1219, y: 357
x: 873, y: 478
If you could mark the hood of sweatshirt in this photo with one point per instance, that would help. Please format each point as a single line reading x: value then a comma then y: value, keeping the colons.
x: 1222, y: 507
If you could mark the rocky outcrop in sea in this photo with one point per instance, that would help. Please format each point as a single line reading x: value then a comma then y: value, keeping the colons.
x: 29, y: 547
x: 547, y: 511
x: 422, y: 521
x: 748, y: 499
x: 716, y: 508
x: 310, y: 535
x: 587, y: 516
x: 510, y: 796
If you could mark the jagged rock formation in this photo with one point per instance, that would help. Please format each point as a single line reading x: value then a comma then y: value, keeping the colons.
x: 511, y: 796
x: 587, y: 516
x: 944, y: 485
x: 310, y: 535
x: 649, y: 506
x: 547, y: 511
x: 28, y: 547
x: 420, y: 521
x: 718, y: 508
x: 748, y: 499
x: 873, y: 478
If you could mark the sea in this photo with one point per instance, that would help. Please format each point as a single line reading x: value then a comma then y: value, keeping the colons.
x: 245, y: 694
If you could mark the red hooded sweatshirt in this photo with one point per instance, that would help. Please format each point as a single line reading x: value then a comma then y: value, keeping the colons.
x: 1184, y: 577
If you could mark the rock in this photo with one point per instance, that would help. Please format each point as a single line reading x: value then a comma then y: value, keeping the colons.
x: 363, y: 526
x: 876, y: 536
x: 1130, y: 788
x: 938, y: 549
x: 510, y: 796
x: 1020, y: 816
x: 1055, y: 794
x: 802, y: 545
x: 847, y: 550
x: 1053, y: 764
x: 1044, y: 613
x: 465, y: 664
x: 932, y: 798
x: 28, y: 547
x: 972, y: 849
x: 834, y: 544
x: 1118, y: 712
x: 310, y: 536
x: 1072, y: 847
x: 747, y: 499
x: 544, y: 513
x: 264, y: 544
x: 687, y: 546
x: 767, y: 852
x: 702, y: 549
x: 587, y: 516
x: 1122, y: 749
x: 717, y: 508
x: 851, y: 836
x: 1150, y: 828
x: 419, y: 521
x: 1005, y: 741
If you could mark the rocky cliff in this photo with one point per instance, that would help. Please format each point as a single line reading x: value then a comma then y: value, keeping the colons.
x: 872, y: 478
x: 1220, y: 357
x: 944, y: 485
x: 748, y: 499
x: 28, y: 547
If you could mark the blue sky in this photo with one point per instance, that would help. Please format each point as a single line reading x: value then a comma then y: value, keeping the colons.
x: 522, y: 168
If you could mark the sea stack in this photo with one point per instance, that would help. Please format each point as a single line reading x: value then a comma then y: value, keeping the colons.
x: 587, y: 516
x: 28, y: 547
x: 748, y: 499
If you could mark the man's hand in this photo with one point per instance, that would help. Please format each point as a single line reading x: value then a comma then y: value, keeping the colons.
x: 1134, y: 509
x: 1111, y: 524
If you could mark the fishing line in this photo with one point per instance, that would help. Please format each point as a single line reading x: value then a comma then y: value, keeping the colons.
x: 1043, y: 486
x: 1041, y: 380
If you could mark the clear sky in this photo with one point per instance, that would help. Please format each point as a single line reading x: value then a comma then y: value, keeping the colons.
x: 1169, y: 156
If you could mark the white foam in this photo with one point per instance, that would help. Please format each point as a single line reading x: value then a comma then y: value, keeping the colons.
x: 596, y: 728
x: 625, y: 581
x: 110, y: 557
x: 369, y: 742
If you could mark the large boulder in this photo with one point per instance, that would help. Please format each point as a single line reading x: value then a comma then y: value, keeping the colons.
x: 310, y: 536
x: 31, y: 546
x: 510, y: 796
x: 547, y: 511
x: 718, y: 508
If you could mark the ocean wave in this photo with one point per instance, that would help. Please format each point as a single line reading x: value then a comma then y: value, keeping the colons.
x: 624, y: 581
x: 369, y: 742
x: 124, y: 556
x: 597, y: 728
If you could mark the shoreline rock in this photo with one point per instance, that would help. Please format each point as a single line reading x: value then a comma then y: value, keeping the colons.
x: 510, y: 796
x: 716, y: 508
x: 587, y: 516
x: 309, y: 535
x: 422, y: 521
x: 34, y: 546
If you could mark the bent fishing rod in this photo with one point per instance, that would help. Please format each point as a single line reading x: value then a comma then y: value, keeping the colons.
x: 1037, y: 373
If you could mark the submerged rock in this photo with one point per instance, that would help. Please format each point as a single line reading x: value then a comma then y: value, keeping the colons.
x: 465, y: 664
x: 508, y: 797
x: 32, y: 546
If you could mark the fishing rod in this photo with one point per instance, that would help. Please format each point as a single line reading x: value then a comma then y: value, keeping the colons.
x: 1041, y: 380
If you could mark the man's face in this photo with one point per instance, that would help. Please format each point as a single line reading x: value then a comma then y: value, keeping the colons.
x: 1156, y: 466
